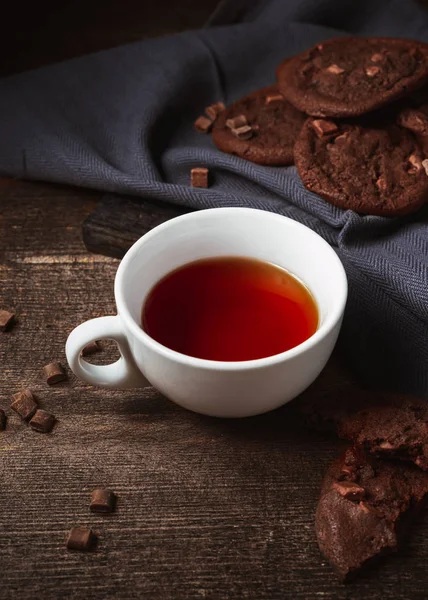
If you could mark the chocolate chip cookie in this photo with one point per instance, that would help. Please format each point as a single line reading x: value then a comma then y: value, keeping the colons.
x: 351, y: 76
x: 364, y: 509
x: 357, y: 166
x: 261, y: 128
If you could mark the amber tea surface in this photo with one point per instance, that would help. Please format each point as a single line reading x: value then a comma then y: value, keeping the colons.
x: 230, y: 309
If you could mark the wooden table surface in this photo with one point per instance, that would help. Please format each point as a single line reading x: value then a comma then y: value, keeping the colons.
x: 208, y: 508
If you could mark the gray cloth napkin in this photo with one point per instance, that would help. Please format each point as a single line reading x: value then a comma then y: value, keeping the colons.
x: 121, y: 121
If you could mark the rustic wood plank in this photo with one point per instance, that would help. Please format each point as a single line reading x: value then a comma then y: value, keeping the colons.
x: 118, y: 222
x: 208, y: 508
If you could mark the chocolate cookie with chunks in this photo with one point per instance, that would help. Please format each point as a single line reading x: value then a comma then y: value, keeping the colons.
x: 261, y: 128
x: 365, y: 508
x: 347, y: 77
x: 357, y: 166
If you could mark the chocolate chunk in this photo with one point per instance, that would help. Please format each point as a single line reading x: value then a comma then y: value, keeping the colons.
x: 91, y: 348
x: 103, y: 501
x: 202, y: 124
x: 81, y: 539
x: 24, y: 404
x: 243, y: 133
x: 6, y: 320
x: 352, y: 534
x: 372, y: 71
x: 199, y: 177
x: 236, y: 122
x: 349, y: 489
x: 270, y: 98
x: 42, y: 421
x: 54, y: 373
x: 3, y: 420
x: 323, y: 127
x: 214, y: 110
x: 335, y: 69
x: 415, y: 161
x: 377, y: 57
x: 415, y: 120
x: 425, y: 165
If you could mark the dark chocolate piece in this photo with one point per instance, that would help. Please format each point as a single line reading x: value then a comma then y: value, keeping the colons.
x: 236, y: 122
x: 352, y: 532
x: 203, y: 124
x: 54, y: 373
x: 24, y: 404
x: 103, y: 501
x: 7, y: 319
x: 199, y: 177
x: 243, y: 133
x: 214, y: 110
x: 81, y: 539
x: 42, y: 421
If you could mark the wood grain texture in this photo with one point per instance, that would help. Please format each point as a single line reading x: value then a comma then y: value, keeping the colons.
x: 119, y: 221
x: 207, y: 508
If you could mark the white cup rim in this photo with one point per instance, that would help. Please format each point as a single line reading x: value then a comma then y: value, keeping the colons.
x: 202, y: 363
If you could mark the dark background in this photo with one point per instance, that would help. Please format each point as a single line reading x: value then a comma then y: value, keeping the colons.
x: 48, y: 31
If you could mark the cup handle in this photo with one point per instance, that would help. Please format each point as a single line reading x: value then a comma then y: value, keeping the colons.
x: 121, y: 374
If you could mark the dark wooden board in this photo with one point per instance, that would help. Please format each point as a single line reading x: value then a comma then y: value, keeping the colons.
x: 208, y: 508
x: 118, y: 222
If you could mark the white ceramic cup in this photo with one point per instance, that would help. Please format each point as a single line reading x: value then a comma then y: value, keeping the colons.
x: 222, y: 389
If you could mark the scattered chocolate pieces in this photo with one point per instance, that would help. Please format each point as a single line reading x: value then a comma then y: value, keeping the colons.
x: 42, y: 421
x: 243, y: 133
x: 54, y: 373
x: 203, y: 124
x: 236, y: 122
x: 323, y: 127
x: 7, y: 319
x: 274, y: 98
x: 214, y: 110
x: 24, y: 404
x: 415, y: 162
x: 81, y: 539
x: 91, y: 348
x: 3, y: 420
x: 103, y: 501
x: 377, y: 57
x: 199, y: 177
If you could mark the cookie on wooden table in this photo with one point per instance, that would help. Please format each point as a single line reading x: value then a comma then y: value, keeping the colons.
x: 361, y: 167
x: 261, y: 127
x: 346, y: 77
x: 365, y: 508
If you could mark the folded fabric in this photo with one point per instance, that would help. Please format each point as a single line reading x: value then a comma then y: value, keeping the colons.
x: 121, y: 121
